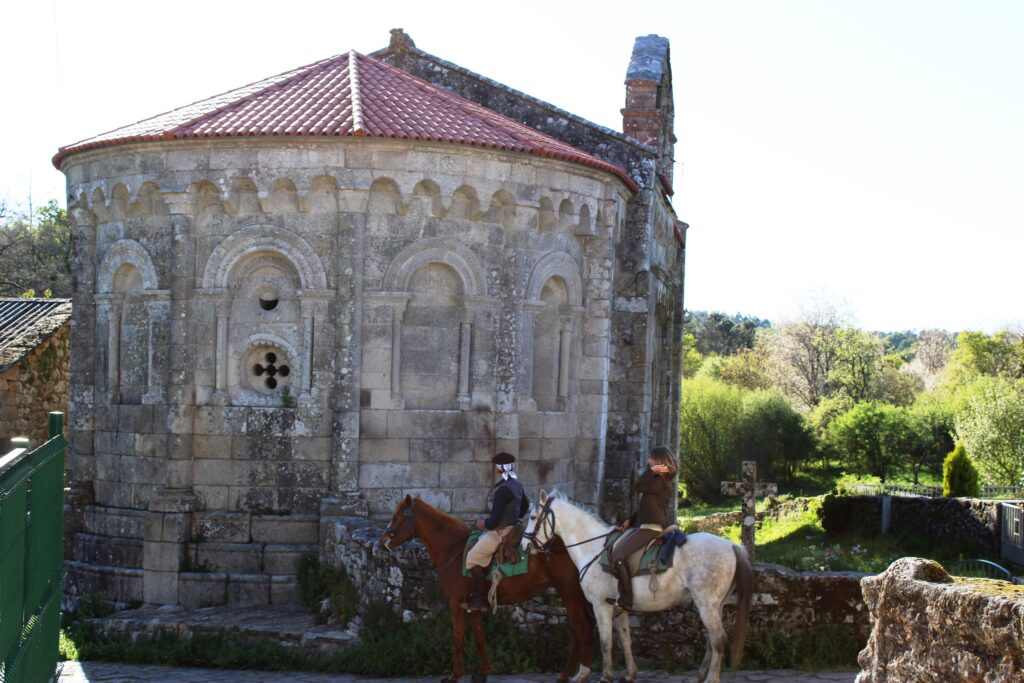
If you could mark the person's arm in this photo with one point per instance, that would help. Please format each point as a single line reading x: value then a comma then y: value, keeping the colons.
x: 502, y: 497
x: 647, y: 483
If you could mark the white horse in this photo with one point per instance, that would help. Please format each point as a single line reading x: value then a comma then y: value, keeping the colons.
x: 705, y: 569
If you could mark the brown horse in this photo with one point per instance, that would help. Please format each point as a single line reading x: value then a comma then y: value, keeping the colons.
x: 445, y: 538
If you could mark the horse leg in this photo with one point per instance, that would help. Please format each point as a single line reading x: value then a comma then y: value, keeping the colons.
x: 603, y: 612
x: 458, y: 638
x: 476, y: 619
x: 622, y: 628
x: 581, y: 633
x: 711, y: 615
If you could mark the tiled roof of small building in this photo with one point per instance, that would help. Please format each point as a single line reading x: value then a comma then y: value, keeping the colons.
x: 347, y: 95
x: 27, y: 323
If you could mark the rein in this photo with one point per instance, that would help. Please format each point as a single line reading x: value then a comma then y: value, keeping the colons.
x: 546, y: 516
x: 410, y: 530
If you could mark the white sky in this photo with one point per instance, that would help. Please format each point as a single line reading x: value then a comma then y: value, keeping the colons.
x: 870, y: 148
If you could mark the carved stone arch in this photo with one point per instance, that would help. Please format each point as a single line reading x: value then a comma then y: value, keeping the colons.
x: 502, y: 209
x: 584, y: 226
x: 149, y: 201
x: 436, y: 250
x: 120, y: 202
x: 429, y: 197
x: 546, y: 214
x: 465, y: 204
x: 323, y: 195
x: 565, y: 221
x: 385, y: 197
x: 243, y: 199
x: 252, y: 240
x: 98, y: 203
x: 284, y: 197
x: 118, y: 254
x: 557, y: 264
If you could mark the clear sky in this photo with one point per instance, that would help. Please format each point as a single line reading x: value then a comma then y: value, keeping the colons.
x: 873, y: 149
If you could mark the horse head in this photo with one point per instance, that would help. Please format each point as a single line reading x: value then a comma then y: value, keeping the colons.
x: 402, y: 527
x: 540, y: 527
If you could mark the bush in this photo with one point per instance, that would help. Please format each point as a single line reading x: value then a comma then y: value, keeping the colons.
x: 991, y: 427
x: 319, y: 581
x: 959, y: 475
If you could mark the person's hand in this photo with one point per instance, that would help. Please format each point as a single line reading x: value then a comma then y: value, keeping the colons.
x: 624, y: 525
x: 480, y: 525
x: 660, y: 469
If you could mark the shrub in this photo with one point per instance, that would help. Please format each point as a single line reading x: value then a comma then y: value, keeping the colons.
x: 319, y: 581
x: 959, y: 475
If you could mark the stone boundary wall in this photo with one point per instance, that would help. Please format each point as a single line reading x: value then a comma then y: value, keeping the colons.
x: 928, y: 627
x: 714, y: 523
x: 33, y: 386
x: 786, y: 603
x: 969, y: 524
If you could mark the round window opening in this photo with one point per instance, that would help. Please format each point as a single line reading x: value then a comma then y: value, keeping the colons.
x: 269, y: 369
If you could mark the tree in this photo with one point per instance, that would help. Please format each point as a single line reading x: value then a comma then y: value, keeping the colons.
x: 772, y: 434
x: 747, y: 369
x: 692, y: 358
x: 959, y: 476
x: 708, y: 417
x: 931, y: 425
x: 991, y: 427
x: 980, y: 355
x: 35, y: 252
x: 873, y: 437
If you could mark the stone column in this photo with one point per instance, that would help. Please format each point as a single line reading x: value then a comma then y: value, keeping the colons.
x: 564, y: 357
x: 465, y: 339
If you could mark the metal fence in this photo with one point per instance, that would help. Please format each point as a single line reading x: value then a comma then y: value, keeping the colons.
x: 986, y: 491
x: 31, y: 550
x: 1012, y: 545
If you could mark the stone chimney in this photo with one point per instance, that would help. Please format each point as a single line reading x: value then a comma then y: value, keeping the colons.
x: 649, y: 113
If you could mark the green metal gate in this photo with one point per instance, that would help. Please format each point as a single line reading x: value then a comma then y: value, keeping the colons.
x: 31, y: 550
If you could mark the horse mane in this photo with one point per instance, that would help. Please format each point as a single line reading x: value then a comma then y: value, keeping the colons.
x: 576, y: 504
x: 442, y: 520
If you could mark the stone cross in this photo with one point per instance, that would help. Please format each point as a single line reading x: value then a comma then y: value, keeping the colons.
x: 749, y: 489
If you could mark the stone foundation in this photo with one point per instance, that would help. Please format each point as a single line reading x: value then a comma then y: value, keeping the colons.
x: 929, y: 628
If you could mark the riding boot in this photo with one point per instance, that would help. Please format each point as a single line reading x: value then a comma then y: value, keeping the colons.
x: 477, y: 590
x: 625, y: 600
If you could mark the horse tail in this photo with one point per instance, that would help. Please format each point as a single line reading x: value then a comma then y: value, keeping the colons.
x: 743, y: 582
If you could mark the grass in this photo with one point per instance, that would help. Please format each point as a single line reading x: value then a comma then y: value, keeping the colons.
x: 425, y: 649
x: 798, y: 541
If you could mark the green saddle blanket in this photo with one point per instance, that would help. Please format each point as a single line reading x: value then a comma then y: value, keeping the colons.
x: 650, y: 563
x: 521, y: 566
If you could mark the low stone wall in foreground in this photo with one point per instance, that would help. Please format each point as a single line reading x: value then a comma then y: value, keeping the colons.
x: 930, y: 628
x: 786, y: 603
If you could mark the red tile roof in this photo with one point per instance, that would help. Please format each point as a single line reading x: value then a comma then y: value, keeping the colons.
x: 347, y: 95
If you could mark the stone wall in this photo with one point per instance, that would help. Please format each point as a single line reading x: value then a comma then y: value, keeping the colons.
x: 929, y: 628
x: 967, y: 524
x: 786, y: 603
x: 33, y: 386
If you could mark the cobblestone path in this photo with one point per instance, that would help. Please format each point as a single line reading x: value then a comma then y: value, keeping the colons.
x: 96, y: 672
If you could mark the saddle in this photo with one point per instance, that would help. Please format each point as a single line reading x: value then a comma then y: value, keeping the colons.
x: 656, y: 557
x: 508, y: 558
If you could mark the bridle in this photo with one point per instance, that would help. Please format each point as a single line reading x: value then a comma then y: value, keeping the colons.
x: 408, y: 530
x: 545, y: 516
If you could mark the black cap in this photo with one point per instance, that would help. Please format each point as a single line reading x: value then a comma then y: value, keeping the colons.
x: 503, y: 458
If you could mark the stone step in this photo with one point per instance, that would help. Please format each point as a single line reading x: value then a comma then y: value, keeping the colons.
x: 115, y: 522
x: 247, y: 558
x: 119, y: 584
x: 206, y: 589
x: 96, y: 549
x: 287, y: 625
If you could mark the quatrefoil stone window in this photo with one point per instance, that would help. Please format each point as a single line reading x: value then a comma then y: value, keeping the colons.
x: 269, y: 370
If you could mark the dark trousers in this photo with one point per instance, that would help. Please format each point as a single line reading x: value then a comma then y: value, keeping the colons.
x: 631, y: 541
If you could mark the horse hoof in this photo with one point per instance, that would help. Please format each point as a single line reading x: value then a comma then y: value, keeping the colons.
x: 479, y: 678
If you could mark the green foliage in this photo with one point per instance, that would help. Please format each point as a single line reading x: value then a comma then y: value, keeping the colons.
x: 721, y: 334
x: 959, y: 476
x: 823, y: 647
x: 747, y: 369
x: 35, y: 252
x: 319, y: 581
x: 875, y: 438
x: 773, y: 434
x: 709, y: 414
x: 991, y: 427
x: 980, y: 355
x: 692, y: 358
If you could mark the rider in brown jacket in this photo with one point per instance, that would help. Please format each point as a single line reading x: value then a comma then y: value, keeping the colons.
x: 655, y: 487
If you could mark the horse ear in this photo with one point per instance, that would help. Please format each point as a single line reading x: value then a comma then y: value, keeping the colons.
x: 543, y: 497
x: 408, y: 501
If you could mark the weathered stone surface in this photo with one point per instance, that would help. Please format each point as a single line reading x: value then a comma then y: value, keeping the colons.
x: 927, y: 627
x: 272, y: 322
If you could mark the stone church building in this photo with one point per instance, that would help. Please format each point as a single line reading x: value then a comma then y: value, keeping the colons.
x: 302, y: 299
